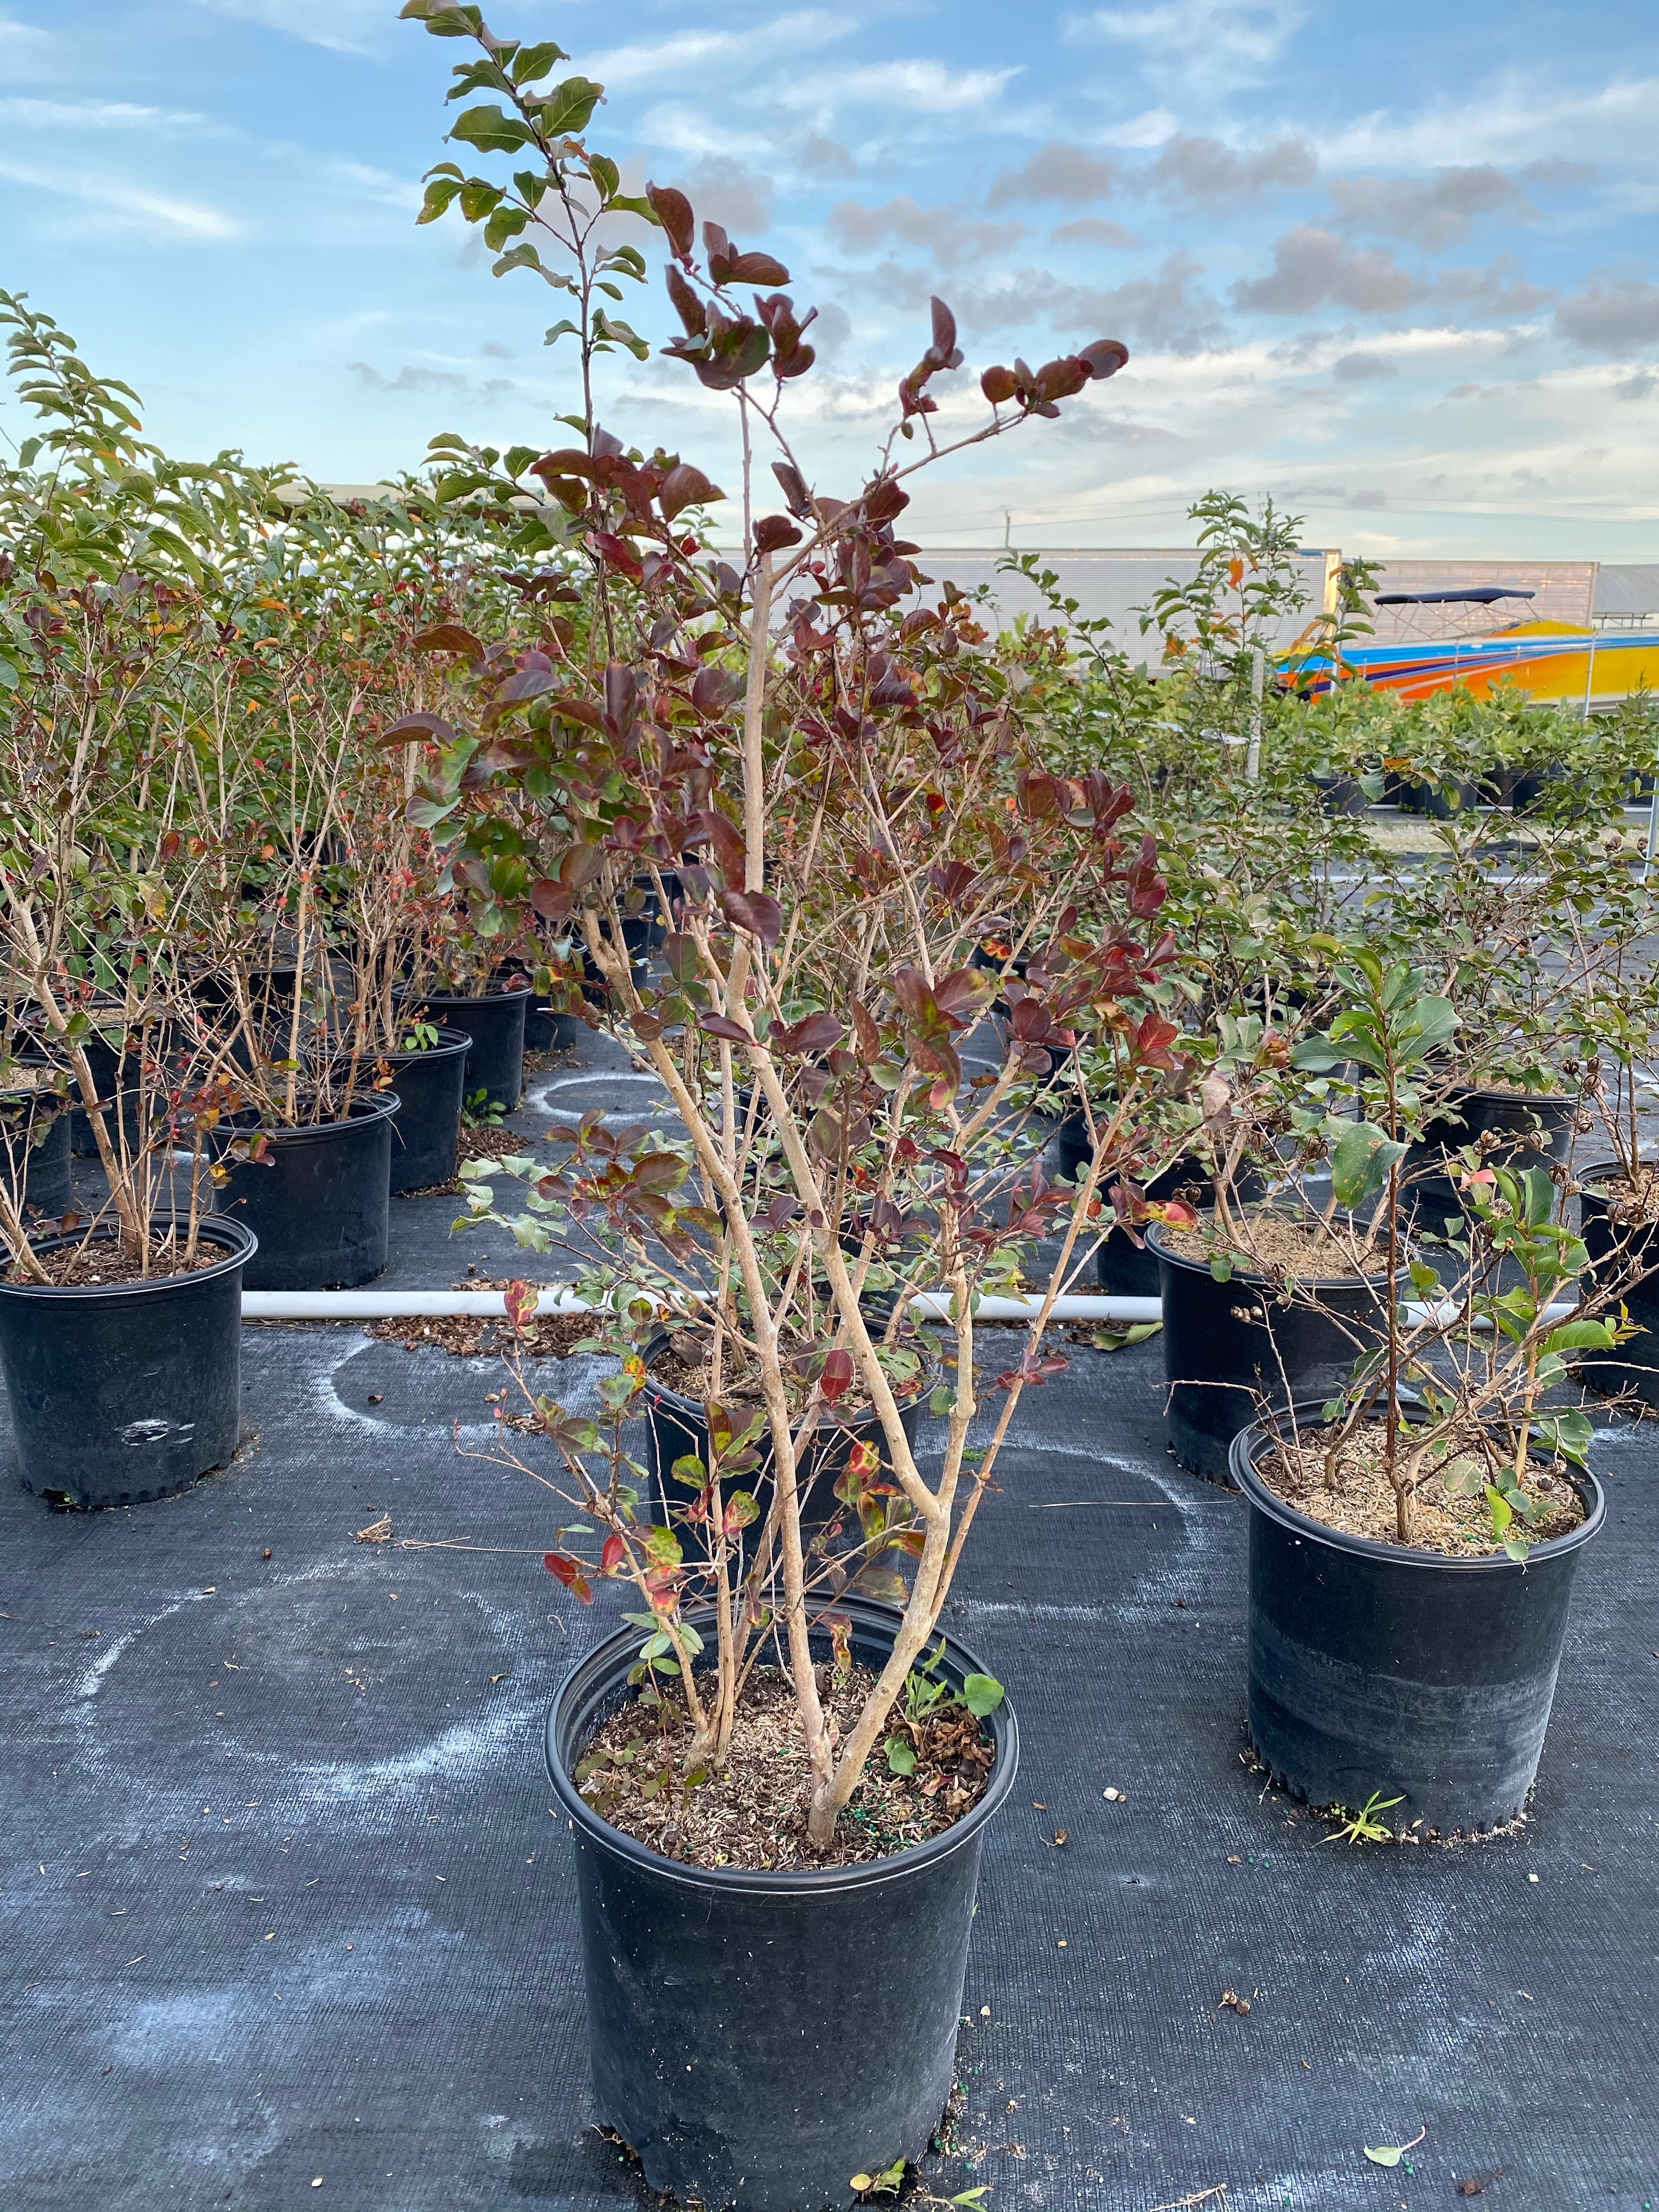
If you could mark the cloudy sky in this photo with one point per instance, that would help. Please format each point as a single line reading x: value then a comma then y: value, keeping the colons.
x: 1395, y: 266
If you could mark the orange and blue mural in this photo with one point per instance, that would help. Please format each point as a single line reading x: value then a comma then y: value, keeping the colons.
x: 1557, y: 663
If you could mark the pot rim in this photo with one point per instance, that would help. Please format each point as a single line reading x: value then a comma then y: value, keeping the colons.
x: 372, y: 1105
x: 1305, y: 1415
x: 218, y: 1228
x: 1152, y: 1235
x: 1603, y: 1171
x: 404, y: 993
x: 795, y: 1882
x: 679, y: 1402
x: 449, y: 1041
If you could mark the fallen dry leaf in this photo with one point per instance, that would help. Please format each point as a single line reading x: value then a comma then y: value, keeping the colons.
x: 377, y: 1532
x: 1478, y: 2183
x: 1233, y: 2000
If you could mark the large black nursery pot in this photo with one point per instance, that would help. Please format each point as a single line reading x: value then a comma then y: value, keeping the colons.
x: 124, y: 1392
x: 677, y: 1428
x: 1612, y: 1246
x: 1379, y: 1669
x: 426, y: 1135
x: 547, y: 1031
x: 319, y: 1202
x: 759, y: 2038
x: 1124, y: 1269
x: 494, y: 1020
x: 1228, y: 1347
x: 1533, y: 1129
x: 35, y: 1150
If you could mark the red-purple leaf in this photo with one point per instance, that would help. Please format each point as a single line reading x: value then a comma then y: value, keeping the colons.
x: 836, y: 1379
x: 674, y: 214
x: 720, y: 1025
x: 815, y: 1033
x: 684, y: 487
x: 1104, y: 357
x: 448, y: 637
x: 756, y: 911
x: 774, y: 532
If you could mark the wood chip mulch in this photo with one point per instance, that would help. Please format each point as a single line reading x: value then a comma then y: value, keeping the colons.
x: 753, y: 1815
x: 1362, y: 1503
x: 465, y: 1336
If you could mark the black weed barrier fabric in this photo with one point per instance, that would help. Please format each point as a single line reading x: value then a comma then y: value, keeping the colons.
x: 285, y: 1919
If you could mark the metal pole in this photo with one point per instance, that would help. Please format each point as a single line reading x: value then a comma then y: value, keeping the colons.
x: 1589, y: 675
x: 1253, y: 757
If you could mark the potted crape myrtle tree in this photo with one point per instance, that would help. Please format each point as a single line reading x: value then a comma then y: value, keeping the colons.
x: 120, y: 1320
x: 306, y: 1163
x: 1415, y: 1537
x: 844, y: 795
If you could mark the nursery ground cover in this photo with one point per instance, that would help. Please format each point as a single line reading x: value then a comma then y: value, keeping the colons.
x: 282, y: 1897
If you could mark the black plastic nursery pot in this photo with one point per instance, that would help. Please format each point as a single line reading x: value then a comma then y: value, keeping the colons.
x: 1124, y: 1269
x: 494, y: 1021
x: 34, y: 1151
x: 426, y: 1135
x: 547, y: 1031
x: 1634, y: 1366
x: 1442, y: 800
x: 1378, y: 1669
x: 1534, y: 1129
x: 1230, y: 1348
x: 125, y: 1392
x: 319, y: 1200
x: 1341, y: 794
x: 677, y: 1428
x: 760, y: 2038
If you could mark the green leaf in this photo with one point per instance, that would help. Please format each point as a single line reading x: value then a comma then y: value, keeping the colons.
x: 491, y: 129
x: 1221, y: 1268
x: 1581, y: 1336
x: 479, y: 198
x: 1361, y: 1163
x: 569, y: 108
x: 1384, y: 2154
x: 531, y: 64
x: 901, y: 1754
x: 1501, y: 1511
x: 662, y: 1548
x: 1118, y: 1339
x: 438, y: 194
x: 982, y: 1694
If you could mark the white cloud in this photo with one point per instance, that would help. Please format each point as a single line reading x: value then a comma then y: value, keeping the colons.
x: 112, y: 205
x: 35, y: 114
x: 623, y: 67
x: 346, y: 26
x: 1209, y: 44
x: 1512, y: 117
x: 1149, y: 128
x: 679, y: 129
x: 23, y: 46
x: 925, y: 88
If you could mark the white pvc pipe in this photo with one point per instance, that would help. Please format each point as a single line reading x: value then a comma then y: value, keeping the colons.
x: 431, y: 1305
x: 928, y: 1305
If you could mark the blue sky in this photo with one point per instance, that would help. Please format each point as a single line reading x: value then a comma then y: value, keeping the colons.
x: 1395, y: 266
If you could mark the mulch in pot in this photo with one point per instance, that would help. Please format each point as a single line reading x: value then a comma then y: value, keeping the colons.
x: 1362, y: 1504
x: 752, y: 1815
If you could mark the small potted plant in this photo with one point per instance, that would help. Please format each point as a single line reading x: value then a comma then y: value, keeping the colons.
x: 1414, y: 1538
x: 120, y: 1319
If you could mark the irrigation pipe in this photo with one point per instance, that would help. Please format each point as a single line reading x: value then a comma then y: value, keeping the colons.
x: 555, y: 1298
